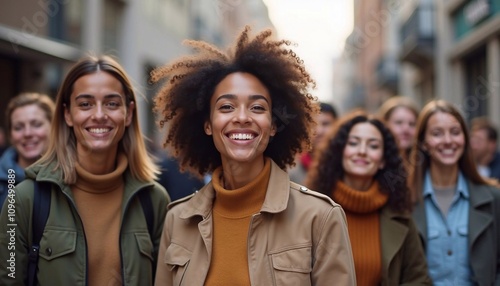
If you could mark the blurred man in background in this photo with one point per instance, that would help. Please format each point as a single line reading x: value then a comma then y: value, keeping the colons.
x: 484, y: 147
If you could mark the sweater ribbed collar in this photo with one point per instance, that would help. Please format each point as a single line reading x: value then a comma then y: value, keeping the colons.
x: 359, y: 201
x: 243, y: 201
x: 93, y: 183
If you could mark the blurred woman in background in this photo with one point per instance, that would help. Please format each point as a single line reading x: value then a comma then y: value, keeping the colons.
x: 28, y: 118
x: 359, y: 166
x: 400, y: 115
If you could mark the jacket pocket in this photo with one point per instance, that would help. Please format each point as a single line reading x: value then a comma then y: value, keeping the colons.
x: 144, y: 244
x: 177, y: 260
x: 292, y: 266
x: 57, y: 243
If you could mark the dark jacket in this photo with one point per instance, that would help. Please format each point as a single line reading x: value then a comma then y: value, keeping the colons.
x: 494, y: 166
x: 483, y: 234
x: 62, y: 259
x: 403, y: 259
x: 9, y: 167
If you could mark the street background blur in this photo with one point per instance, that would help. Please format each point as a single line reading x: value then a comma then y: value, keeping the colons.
x: 360, y: 52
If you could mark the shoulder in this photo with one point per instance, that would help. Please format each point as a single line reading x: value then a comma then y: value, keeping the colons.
x: 181, y: 201
x: 308, y: 194
x: 158, y: 192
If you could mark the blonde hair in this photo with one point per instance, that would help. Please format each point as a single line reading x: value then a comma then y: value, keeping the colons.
x: 386, y: 109
x: 141, y: 165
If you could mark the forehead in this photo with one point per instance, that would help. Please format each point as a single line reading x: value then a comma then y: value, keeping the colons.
x: 241, y: 84
x: 402, y: 112
x: 365, y: 130
x: 27, y: 112
x: 442, y: 119
x: 99, y: 82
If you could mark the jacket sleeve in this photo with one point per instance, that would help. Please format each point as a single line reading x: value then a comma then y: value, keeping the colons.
x: 333, y: 255
x: 15, y: 234
x: 414, y: 266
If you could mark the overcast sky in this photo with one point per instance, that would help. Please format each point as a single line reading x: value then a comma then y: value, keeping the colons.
x: 319, y: 27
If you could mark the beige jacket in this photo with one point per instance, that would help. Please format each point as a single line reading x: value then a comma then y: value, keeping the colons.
x: 299, y: 237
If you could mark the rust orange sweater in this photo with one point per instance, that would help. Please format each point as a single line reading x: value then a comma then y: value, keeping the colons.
x: 232, y: 211
x: 98, y: 199
x: 362, y: 213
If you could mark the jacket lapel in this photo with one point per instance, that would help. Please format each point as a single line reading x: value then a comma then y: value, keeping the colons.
x: 479, y: 220
x: 392, y: 235
x: 421, y: 221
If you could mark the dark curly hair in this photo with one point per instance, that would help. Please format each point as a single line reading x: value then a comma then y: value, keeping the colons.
x: 327, y: 168
x: 183, y: 103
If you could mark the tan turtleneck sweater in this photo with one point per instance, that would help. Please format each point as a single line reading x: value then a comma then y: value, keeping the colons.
x: 232, y: 212
x: 98, y: 200
x: 362, y: 213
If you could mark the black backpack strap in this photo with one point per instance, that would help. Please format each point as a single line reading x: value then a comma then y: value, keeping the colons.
x: 41, y: 209
x: 147, y: 208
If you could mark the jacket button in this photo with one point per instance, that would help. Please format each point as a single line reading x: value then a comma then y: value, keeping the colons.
x: 48, y: 251
x: 303, y: 189
x: 450, y: 252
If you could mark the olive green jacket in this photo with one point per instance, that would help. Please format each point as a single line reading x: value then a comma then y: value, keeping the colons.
x: 63, y: 252
x: 403, y: 258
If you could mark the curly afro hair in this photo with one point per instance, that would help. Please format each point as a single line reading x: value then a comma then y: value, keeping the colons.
x: 183, y: 103
x: 327, y: 168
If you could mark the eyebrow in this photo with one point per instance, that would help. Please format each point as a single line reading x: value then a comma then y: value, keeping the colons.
x: 369, y: 139
x: 88, y: 96
x: 232, y: 96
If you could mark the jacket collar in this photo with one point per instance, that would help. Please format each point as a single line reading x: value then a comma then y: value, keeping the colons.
x: 49, y: 174
x: 479, y: 220
x: 277, y: 194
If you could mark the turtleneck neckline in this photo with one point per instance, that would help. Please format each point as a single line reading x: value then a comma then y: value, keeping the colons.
x: 244, y: 201
x: 359, y: 201
x: 93, y: 183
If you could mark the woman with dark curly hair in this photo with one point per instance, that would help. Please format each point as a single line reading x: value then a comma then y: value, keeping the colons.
x: 242, y: 115
x: 359, y: 166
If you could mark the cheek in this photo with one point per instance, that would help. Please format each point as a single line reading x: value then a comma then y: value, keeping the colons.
x: 16, y: 136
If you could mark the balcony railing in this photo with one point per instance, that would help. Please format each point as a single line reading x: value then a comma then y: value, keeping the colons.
x: 417, y: 36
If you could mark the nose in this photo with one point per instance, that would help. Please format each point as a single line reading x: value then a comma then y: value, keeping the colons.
x: 99, y: 113
x: 242, y: 116
x: 447, y: 138
x: 362, y: 149
x: 27, y: 131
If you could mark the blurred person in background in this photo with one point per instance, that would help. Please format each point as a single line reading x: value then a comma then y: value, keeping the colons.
x: 483, y: 141
x: 177, y: 182
x: 97, y: 168
x: 27, y: 118
x: 457, y: 210
x: 324, y: 122
x: 400, y: 115
x: 3, y: 141
x: 250, y: 225
x: 360, y: 168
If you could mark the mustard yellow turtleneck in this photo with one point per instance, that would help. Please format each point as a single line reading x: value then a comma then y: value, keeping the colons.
x: 362, y: 213
x: 232, y: 212
x: 98, y: 199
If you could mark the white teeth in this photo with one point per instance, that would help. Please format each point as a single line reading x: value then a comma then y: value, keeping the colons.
x: 241, y: 136
x: 447, y: 152
x: 98, y: 130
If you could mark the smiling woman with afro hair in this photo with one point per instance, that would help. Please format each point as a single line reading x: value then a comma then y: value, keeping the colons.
x: 242, y: 115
